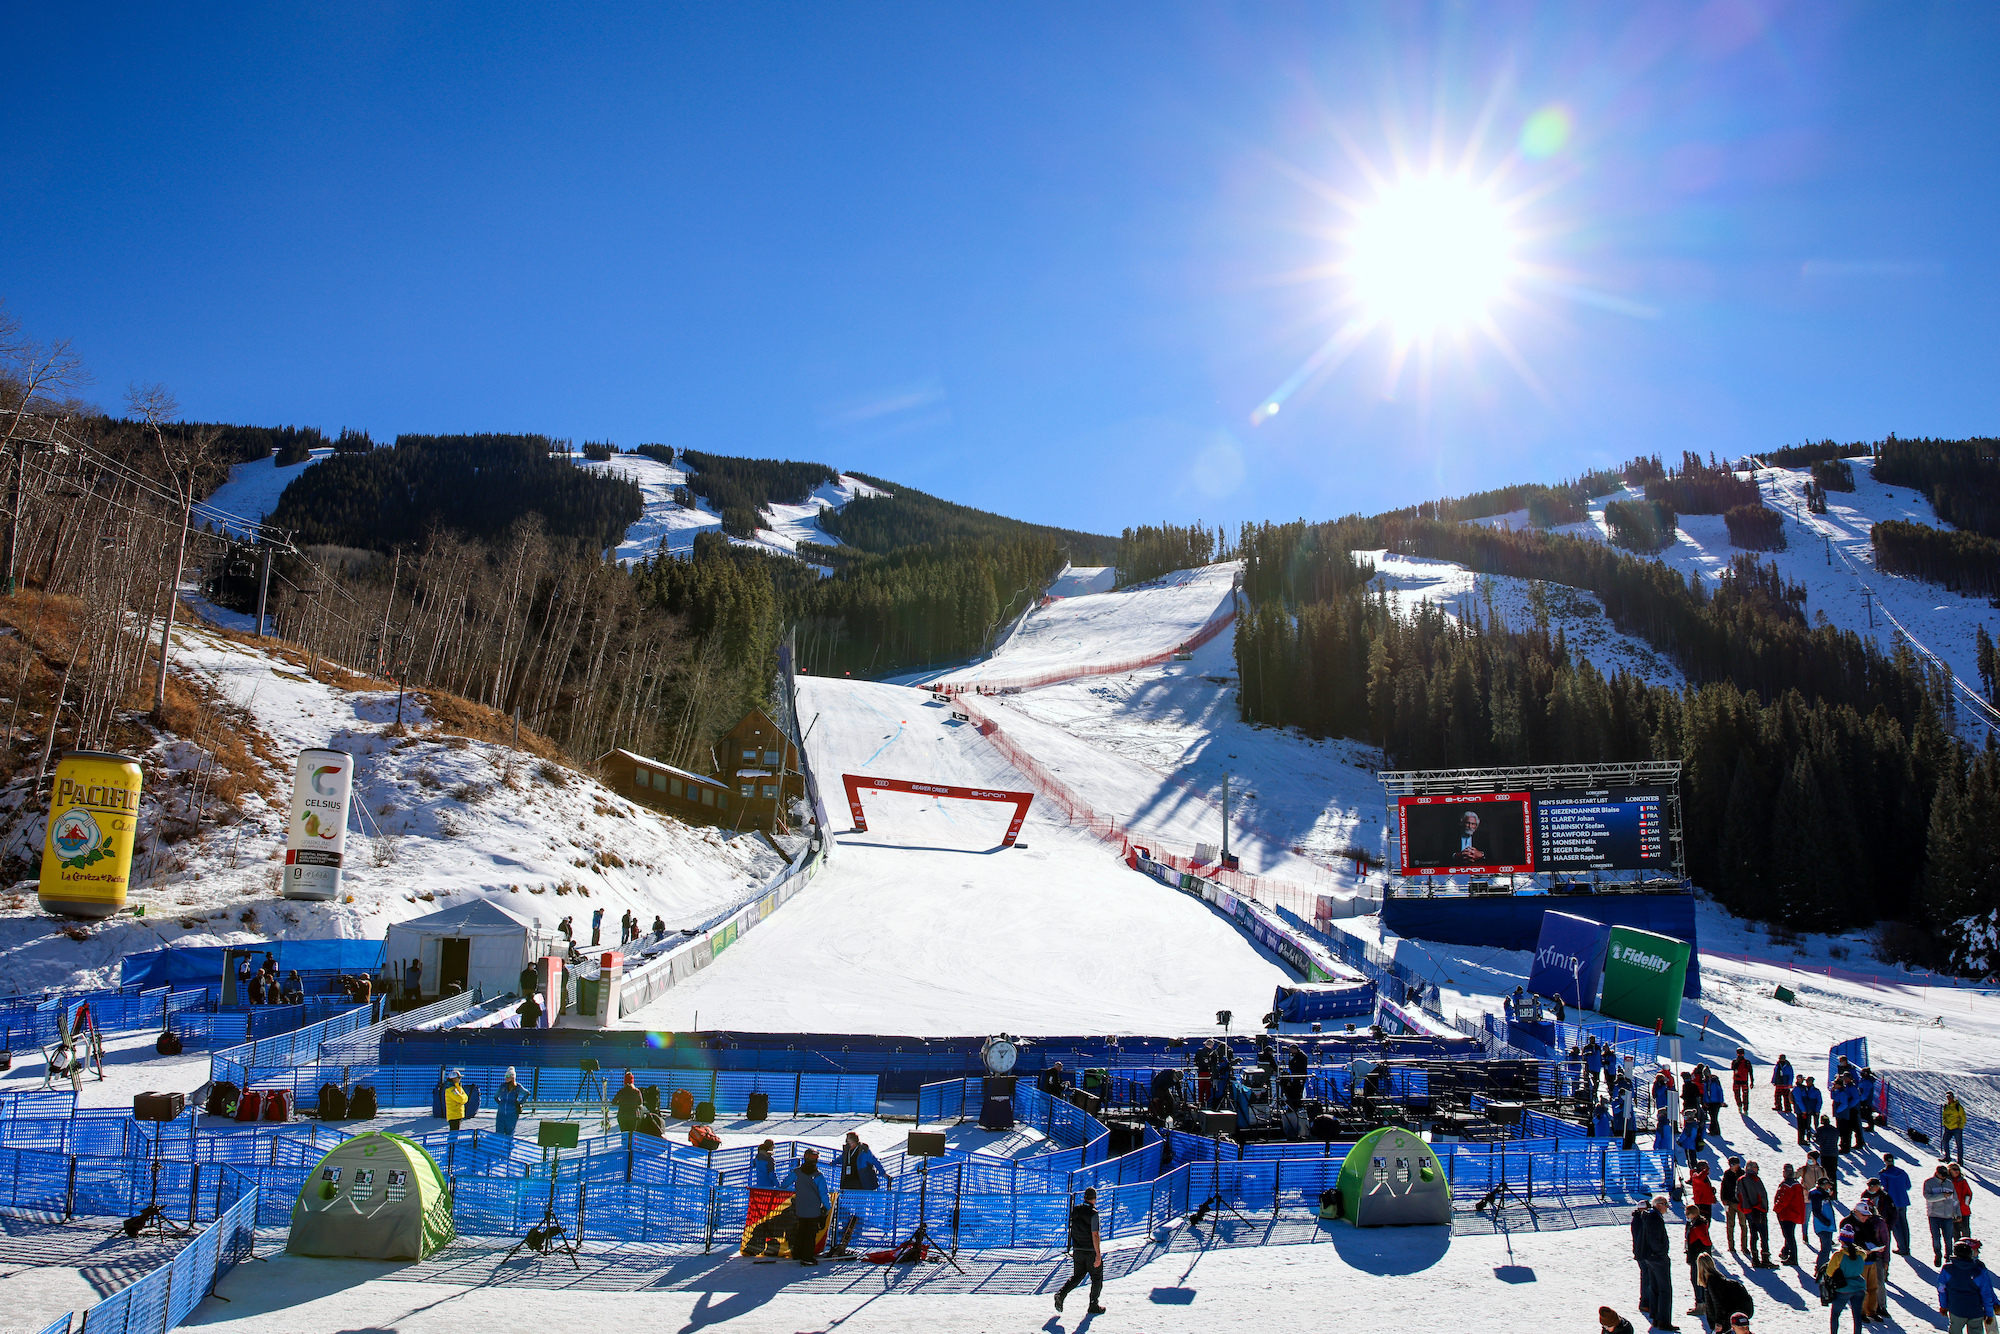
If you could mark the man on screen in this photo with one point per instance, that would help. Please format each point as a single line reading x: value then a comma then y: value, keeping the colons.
x: 1469, y: 841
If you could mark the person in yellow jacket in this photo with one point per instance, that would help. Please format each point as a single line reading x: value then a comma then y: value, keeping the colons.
x: 454, y: 1102
x: 1952, y: 1114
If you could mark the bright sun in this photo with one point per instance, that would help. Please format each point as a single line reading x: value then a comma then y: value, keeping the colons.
x: 1430, y: 254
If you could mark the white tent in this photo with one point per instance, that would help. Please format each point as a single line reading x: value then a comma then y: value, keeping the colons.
x: 479, y: 945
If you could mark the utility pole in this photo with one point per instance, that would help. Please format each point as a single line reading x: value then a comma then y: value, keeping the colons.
x: 1868, y: 600
x: 1225, y: 820
x: 263, y: 590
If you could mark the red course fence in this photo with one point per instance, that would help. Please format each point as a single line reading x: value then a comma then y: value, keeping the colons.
x: 1081, y: 814
x: 1216, y: 625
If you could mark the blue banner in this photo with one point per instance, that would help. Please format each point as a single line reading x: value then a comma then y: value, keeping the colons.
x: 1569, y: 961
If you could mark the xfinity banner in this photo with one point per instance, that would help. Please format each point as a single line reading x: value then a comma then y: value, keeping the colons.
x: 1569, y: 961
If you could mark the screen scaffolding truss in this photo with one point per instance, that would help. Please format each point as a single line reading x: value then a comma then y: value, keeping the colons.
x: 1666, y: 774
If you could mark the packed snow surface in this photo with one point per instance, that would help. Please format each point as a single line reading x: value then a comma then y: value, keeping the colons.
x: 1078, y: 633
x: 924, y: 925
x: 1831, y: 556
x: 253, y: 489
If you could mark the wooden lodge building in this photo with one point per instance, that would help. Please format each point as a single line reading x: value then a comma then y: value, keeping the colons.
x: 757, y: 773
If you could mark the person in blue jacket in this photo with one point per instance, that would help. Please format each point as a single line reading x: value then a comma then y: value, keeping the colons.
x: 1781, y: 1085
x: 1823, y: 1212
x: 1713, y: 1096
x: 1600, y: 1124
x: 1593, y: 1064
x: 1966, y: 1296
x: 507, y: 1104
x: 1806, y: 1101
x: 1690, y: 1140
x: 860, y: 1169
x: 1896, y: 1185
x: 1864, y: 1100
x: 764, y: 1167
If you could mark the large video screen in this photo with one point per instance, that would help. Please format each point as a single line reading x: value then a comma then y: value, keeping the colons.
x: 1486, y: 832
x: 1607, y: 829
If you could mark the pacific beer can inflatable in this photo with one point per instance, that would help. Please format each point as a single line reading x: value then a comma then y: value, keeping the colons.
x: 93, y: 824
x: 316, y: 838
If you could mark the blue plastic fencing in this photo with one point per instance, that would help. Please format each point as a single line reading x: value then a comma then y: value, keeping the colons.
x: 29, y: 1022
x: 296, y: 1047
x: 60, y: 1325
x: 1854, y: 1049
x: 168, y: 1295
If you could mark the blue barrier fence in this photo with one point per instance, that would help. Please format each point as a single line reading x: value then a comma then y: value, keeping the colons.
x: 296, y: 1047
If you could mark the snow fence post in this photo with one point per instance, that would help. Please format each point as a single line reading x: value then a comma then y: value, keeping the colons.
x: 798, y: 1090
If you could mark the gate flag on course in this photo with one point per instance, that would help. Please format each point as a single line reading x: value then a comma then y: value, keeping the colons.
x: 855, y: 783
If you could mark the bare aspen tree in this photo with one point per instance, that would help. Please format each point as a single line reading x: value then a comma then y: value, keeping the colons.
x: 29, y: 370
x: 183, y: 458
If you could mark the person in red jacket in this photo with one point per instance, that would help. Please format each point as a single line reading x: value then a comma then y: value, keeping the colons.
x: 1740, y: 1081
x: 1789, y: 1204
x: 1701, y: 1188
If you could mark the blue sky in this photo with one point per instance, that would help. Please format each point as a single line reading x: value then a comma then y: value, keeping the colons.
x: 1045, y: 259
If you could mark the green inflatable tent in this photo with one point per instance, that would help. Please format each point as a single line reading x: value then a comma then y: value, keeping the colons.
x: 375, y: 1197
x: 1392, y: 1179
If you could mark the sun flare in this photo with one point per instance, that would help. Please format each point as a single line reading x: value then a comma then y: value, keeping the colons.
x: 1430, y: 254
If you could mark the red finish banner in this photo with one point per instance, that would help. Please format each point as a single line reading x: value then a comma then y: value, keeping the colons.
x: 857, y: 783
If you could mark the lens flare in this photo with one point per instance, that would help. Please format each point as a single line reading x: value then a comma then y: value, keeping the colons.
x: 1546, y: 132
x: 1430, y: 254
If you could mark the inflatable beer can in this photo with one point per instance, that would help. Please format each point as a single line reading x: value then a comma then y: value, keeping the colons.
x: 316, y: 835
x: 93, y: 824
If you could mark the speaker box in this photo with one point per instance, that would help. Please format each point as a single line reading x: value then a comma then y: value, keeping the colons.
x: 556, y: 1134
x: 997, y: 1086
x: 1087, y: 1102
x: 158, y: 1106
x: 1218, y: 1123
x: 1504, y: 1113
x: 926, y: 1144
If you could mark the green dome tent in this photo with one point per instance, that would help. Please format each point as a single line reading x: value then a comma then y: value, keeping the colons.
x: 1393, y: 1179
x: 375, y: 1197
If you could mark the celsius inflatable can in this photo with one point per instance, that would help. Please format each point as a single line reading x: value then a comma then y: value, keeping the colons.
x: 93, y: 824
x: 316, y: 838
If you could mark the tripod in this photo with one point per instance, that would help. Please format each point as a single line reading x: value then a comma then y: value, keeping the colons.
x: 920, y: 1239
x: 549, y: 1234
x: 1497, y: 1198
x: 153, y: 1216
x: 1215, y: 1203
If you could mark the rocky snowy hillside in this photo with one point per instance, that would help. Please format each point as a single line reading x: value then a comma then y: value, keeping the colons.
x: 444, y: 810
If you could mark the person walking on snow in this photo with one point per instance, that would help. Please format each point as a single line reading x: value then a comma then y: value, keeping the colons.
x: 1964, y: 1189
x: 1712, y: 1096
x: 1941, y: 1211
x: 596, y: 927
x: 1966, y: 1296
x: 1896, y: 1186
x: 1823, y: 1211
x: 1650, y: 1251
x: 1732, y: 1216
x: 1781, y: 1085
x: 1086, y: 1252
x: 1952, y: 1117
x: 1789, y: 1205
x: 1755, y: 1202
x: 1806, y: 1102
x: 1828, y: 1139
x: 1740, y: 1080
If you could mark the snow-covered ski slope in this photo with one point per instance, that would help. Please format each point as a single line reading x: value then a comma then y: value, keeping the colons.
x: 253, y: 488
x: 1086, y: 632
x: 922, y: 925
x: 666, y: 526
x: 1831, y: 556
x: 438, y: 819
